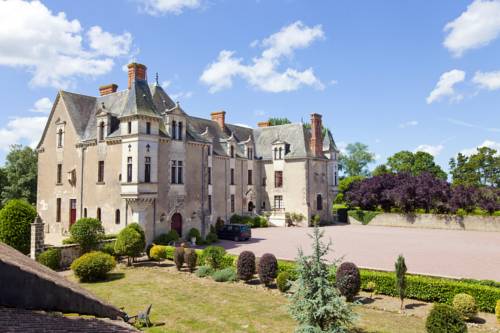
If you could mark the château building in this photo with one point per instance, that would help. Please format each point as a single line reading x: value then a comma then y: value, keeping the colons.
x: 136, y: 156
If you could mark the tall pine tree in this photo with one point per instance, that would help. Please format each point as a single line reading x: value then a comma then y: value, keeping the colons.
x: 400, y: 266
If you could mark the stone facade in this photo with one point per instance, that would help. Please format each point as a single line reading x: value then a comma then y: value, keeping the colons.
x: 136, y: 156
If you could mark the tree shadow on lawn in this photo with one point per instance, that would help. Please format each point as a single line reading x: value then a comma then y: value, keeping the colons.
x: 152, y: 264
x: 412, y: 306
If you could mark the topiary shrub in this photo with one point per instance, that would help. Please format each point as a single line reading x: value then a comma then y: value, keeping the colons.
x: 211, y: 238
x: 268, y: 268
x: 348, y: 280
x: 204, y: 271
x: 179, y: 257
x: 444, y: 318
x: 93, y: 266
x: 139, y: 229
x: 193, y: 232
x: 109, y: 248
x: 50, y: 258
x: 497, y: 311
x: 465, y: 304
x: 190, y: 258
x: 130, y: 243
x: 225, y: 275
x: 283, y: 282
x: 166, y: 239
x: 87, y: 232
x: 213, y: 256
x: 158, y: 252
x: 246, y: 265
x: 15, y: 219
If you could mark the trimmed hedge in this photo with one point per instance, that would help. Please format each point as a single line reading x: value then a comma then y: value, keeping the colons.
x: 431, y: 289
x: 15, y: 220
x: 93, y: 266
x: 50, y: 258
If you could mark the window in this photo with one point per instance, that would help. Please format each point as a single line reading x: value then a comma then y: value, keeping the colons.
x: 232, y: 176
x: 129, y: 169
x: 232, y: 151
x: 100, y: 172
x: 250, y: 153
x: 101, y: 131
x: 319, y: 202
x: 210, y: 204
x: 209, y: 170
x: 336, y: 179
x: 58, y: 210
x: 174, y: 129
x: 147, y: 170
x: 278, y: 202
x: 278, y: 178
x: 232, y: 203
x: 148, y: 127
x: 280, y: 155
x: 98, y: 215
x: 176, y: 176
x: 179, y: 134
x: 59, y: 174
x: 275, y: 153
x: 117, y: 216
x: 209, y: 151
x: 250, y: 206
x: 263, y: 205
x: 60, y: 138
x: 85, y: 212
x: 250, y: 180
x: 264, y: 181
x: 129, y: 127
x: 287, y: 148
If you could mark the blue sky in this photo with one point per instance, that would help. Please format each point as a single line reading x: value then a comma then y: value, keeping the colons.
x: 396, y: 75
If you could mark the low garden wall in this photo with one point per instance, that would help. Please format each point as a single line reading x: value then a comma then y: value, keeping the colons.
x: 70, y: 252
x: 434, y: 221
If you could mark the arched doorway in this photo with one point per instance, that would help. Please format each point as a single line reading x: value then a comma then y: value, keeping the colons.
x: 251, y: 206
x: 177, y: 223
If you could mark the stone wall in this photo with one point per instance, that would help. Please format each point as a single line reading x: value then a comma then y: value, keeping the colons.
x: 435, y: 221
x: 72, y: 251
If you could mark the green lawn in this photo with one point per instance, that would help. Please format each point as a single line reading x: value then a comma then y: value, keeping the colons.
x: 183, y: 302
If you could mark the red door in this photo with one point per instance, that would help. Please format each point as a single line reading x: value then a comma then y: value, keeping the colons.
x: 72, y: 211
x: 177, y: 223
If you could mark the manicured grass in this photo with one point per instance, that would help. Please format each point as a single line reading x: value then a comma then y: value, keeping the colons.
x: 183, y: 302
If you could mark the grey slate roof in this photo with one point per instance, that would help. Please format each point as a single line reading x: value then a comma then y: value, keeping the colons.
x: 152, y: 100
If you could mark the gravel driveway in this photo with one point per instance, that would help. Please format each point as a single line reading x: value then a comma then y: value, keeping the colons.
x: 452, y: 253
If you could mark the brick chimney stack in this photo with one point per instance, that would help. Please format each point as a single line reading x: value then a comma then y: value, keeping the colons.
x: 316, y: 144
x: 263, y: 124
x: 108, y: 89
x: 219, y: 117
x: 136, y: 72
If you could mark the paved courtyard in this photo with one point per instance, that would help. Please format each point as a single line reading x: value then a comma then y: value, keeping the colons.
x: 451, y: 253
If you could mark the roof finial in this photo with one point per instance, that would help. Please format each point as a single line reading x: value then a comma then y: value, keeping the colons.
x: 156, y: 79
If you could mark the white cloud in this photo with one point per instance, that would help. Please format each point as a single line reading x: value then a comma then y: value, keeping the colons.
x: 43, y: 105
x: 408, y: 124
x: 181, y: 95
x: 466, y: 124
x: 108, y: 44
x: 51, y: 47
x: 25, y: 130
x: 263, y: 72
x: 433, y: 150
x: 474, y: 28
x: 487, y: 143
x: 243, y: 125
x: 334, y: 82
x: 487, y: 80
x: 445, y: 86
x: 161, y: 7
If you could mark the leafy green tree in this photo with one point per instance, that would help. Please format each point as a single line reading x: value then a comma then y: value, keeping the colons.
x: 87, y: 232
x: 279, y: 121
x: 15, y: 219
x: 381, y: 169
x: 415, y: 164
x: 344, y: 185
x: 20, y: 174
x: 356, y: 159
x: 317, y: 304
x: 130, y: 242
x: 479, y: 169
x: 400, y: 266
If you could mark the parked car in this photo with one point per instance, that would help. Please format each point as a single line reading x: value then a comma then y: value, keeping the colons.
x: 235, y: 232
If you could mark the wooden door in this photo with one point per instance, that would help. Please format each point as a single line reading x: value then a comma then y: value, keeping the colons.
x: 177, y: 223
x: 72, y: 211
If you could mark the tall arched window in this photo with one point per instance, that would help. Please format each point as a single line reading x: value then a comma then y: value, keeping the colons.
x: 117, y: 216
x: 85, y: 212
x: 101, y: 131
x: 281, y: 153
x: 60, y: 138
x: 98, y: 214
x: 275, y: 153
x: 319, y: 202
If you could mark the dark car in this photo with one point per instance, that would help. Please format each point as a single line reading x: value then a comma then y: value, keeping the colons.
x: 235, y: 232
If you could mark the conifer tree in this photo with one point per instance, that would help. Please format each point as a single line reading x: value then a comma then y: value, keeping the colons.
x: 401, y: 278
x: 317, y: 305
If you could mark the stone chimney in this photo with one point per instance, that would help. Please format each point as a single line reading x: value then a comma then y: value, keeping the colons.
x: 220, y: 118
x: 108, y: 89
x: 316, y: 144
x: 136, y: 72
x: 263, y: 124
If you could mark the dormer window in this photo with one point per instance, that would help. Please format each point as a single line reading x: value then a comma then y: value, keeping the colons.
x: 176, y: 130
x: 148, y: 128
x: 101, y: 131
x: 232, y: 151
x: 129, y: 127
x: 250, y: 153
x: 275, y: 153
x: 179, y: 131
x: 280, y: 154
x: 60, y: 138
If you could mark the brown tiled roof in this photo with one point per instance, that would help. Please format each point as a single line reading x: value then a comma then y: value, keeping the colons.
x: 30, y: 321
x: 26, y: 284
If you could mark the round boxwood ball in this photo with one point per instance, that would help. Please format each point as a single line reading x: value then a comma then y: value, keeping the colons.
x: 246, y: 265
x: 15, y: 220
x: 348, y: 280
x: 268, y: 268
x: 444, y: 318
